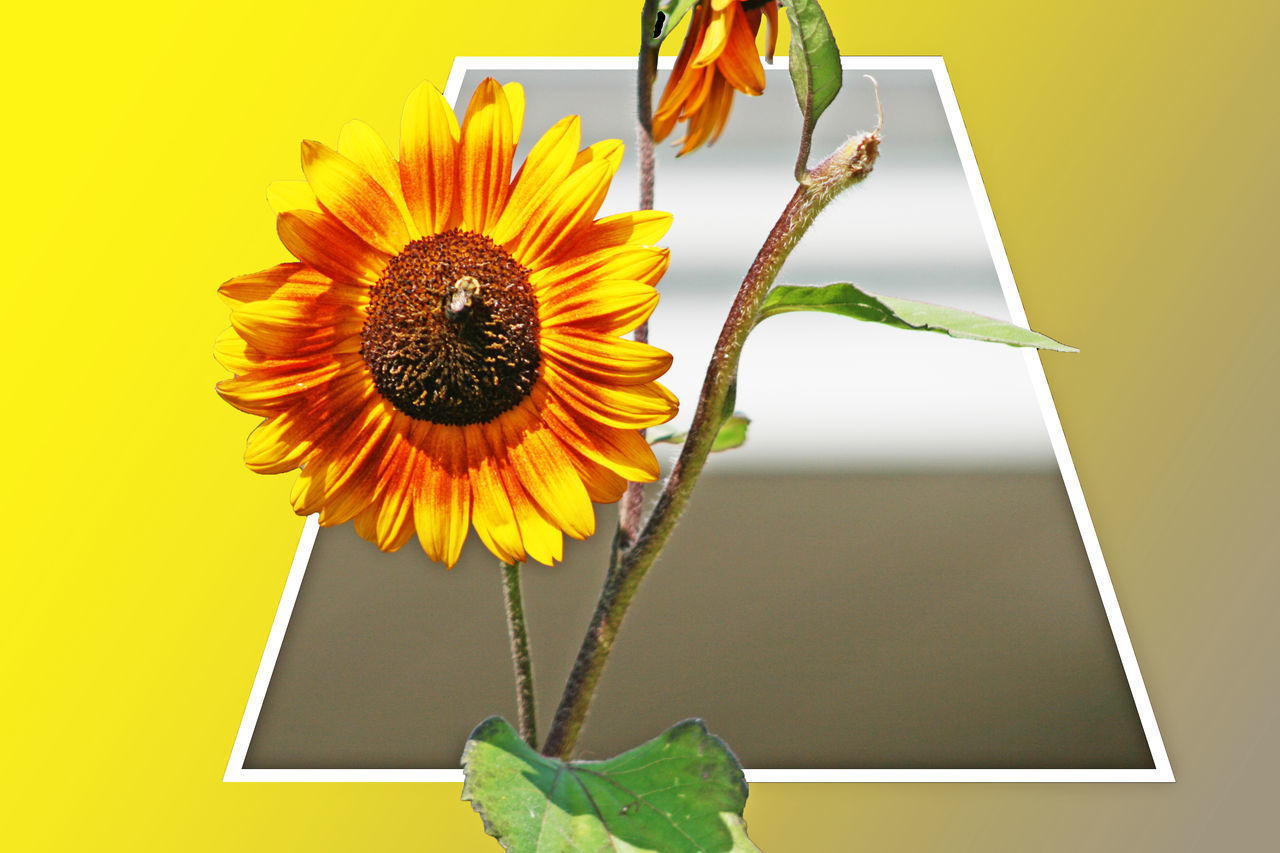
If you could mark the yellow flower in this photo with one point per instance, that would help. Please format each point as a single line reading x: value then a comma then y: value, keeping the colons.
x: 447, y: 350
x: 718, y: 56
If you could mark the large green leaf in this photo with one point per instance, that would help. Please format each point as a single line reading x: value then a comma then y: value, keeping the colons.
x: 732, y: 433
x: 849, y: 301
x: 682, y: 792
x: 815, y: 67
x: 669, y: 13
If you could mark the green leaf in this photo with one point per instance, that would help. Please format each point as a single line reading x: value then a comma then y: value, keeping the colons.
x: 732, y: 433
x: 849, y: 301
x: 815, y: 68
x: 682, y: 792
x: 669, y: 13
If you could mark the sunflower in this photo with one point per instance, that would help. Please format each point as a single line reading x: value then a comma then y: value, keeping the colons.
x: 446, y: 351
x: 717, y: 57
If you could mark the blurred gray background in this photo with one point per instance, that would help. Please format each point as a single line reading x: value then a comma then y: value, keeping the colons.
x: 887, y: 575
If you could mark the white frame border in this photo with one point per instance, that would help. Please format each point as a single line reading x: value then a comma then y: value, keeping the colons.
x: 1162, y: 772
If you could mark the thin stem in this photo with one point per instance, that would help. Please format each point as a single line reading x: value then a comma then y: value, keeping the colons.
x: 519, y: 634
x: 847, y: 166
x: 631, y: 506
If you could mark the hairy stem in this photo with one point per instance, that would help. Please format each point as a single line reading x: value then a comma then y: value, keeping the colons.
x: 519, y: 634
x: 850, y: 164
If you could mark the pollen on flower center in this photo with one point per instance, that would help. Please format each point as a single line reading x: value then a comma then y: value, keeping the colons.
x: 452, y: 330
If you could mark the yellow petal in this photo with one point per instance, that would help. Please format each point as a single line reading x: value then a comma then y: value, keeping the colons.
x: 327, y: 246
x: 603, y: 358
x: 291, y: 195
x: 622, y: 451
x: 715, y: 36
x: 571, y: 206
x: 546, y: 166
x: 515, y: 100
x: 625, y: 407
x: 545, y: 472
x: 355, y: 198
x: 608, y: 307
x: 442, y: 511
x: 484, y: 164
x: 362, y: 144
x: 491, y: 511
x: 428, y: 160
x: 641, y: 228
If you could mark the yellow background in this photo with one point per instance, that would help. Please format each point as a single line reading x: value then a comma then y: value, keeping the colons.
x: 1129, y: 153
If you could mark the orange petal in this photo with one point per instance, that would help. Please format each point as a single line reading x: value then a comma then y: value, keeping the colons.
x: 739, y: 63
x: 640, y: 228
x: 571, y: 206
x: 546, y: 166
x: 642, y: 264
x: 365, y: 147
x: 399, y: 476
x: 608, y: 307
x: 606, y: 359
x: 484, y: 164
x: 428, y: 160
x: 540, y: 537
x: 602, y: 485
x: 354, y: 197
x: 442, y: 511
x: 626, y: 407
x: 491, y: 511
x: 545, y: 472
x: 623, y: 451
x: 320, y: 241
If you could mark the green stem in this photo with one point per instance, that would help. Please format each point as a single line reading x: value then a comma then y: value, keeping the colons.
x: 519, y: 634
x: 850, y: 164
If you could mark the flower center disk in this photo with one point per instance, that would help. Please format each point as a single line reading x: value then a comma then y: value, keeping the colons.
x: 451, y: 334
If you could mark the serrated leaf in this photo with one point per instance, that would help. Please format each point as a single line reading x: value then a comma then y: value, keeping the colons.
x: 849, y: 301
x: 669, y: 13
x: 815, y: 67
x: 732, y: 433
x: 682, y: 792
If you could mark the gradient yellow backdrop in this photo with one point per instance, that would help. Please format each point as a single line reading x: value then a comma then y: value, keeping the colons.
x: 1129, y: 153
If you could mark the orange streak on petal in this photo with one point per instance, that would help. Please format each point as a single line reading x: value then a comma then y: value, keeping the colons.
x: 609, y: 307
x: 624, y: 407
x: 442, y: 511
x: 365, y: 147
x: 643, y: 264
x: 641, y: 228
x: 572, y: 206
x: 623, y: 451
x: 354, y: 197
x: 491, y: 511
x: 546, y: 166
x: 540, y: 536
x: 544, y: 470
x: 739, y: 62
x: 428, y: 159
x: 327, y: 246
x: 604, y: 358
x: 484, y: 164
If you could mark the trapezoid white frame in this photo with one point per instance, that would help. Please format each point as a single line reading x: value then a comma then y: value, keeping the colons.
x: 1161, y: 772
